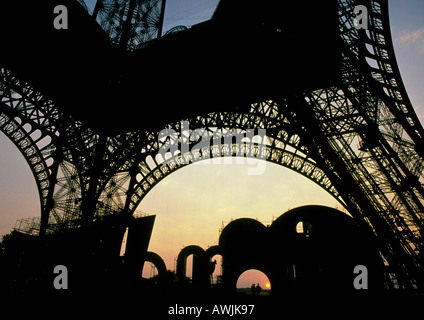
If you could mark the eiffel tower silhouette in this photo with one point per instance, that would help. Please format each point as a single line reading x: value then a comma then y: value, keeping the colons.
x: 85, y: 110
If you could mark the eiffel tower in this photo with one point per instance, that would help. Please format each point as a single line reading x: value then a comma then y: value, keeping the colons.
x: 341, y: 117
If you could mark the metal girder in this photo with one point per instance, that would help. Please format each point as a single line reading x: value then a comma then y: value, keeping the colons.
x: 281, y: 146
x: 130, y: 23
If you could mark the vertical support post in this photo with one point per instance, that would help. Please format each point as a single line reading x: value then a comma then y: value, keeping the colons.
x: 126, y: 29
x: 97, y: 8
x: 161, y: 19
x: 90, y: 197
x: 46, y: 210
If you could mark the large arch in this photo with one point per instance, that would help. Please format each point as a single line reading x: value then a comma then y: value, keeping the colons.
x: 63, y: 156
x: 46, y: 138
x: 201, y: 264
x: 29, y: 124
x: 279, y: 145
x: 158, y: 262
x: 63, y: 166
x: 256, y: 278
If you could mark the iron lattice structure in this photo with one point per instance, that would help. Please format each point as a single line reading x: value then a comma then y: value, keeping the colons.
x: 129, y: 24
x: 360, y: 140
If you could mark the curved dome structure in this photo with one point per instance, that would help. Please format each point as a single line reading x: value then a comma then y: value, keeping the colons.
x: 317, y: 221
x: 307, y: 249
x: 241, y: 232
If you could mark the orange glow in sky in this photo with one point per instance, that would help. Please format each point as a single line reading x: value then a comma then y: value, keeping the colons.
x: 192, y: 204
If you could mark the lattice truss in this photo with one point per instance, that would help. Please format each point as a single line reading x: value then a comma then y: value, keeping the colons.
x: 387, y: 163
x: 73, y: 165
x: 361, y: 141
x: 62, y: 154
x: 129, y: 23
x: 369, y: 139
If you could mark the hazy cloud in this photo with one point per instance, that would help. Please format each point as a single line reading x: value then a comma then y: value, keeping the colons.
x: 413, y: 37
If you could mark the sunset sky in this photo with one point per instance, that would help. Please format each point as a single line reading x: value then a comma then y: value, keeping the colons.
x: 192, y: 204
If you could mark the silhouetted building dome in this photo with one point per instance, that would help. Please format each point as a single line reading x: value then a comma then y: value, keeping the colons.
x: 313, y: 220
x: 242, y: 234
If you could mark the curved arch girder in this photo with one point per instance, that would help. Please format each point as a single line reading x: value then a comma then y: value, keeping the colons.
x: 35, y: 125
x: 280, y: 146
x: 37, y: 155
